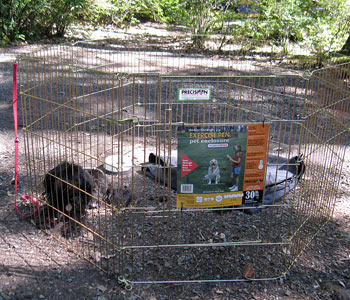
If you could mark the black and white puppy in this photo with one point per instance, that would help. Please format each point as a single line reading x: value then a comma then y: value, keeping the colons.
x: 213, y: 172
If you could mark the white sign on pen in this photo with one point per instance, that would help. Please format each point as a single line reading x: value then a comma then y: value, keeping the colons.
x: 194, y: 94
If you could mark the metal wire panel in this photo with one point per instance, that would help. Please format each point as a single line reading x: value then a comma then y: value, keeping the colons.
x: 83, y: 103
x: 324, y: 140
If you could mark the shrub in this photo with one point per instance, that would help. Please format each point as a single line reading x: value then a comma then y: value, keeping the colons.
x: 33, y: 19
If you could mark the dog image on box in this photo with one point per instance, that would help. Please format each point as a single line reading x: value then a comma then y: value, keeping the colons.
x: 213, y: 172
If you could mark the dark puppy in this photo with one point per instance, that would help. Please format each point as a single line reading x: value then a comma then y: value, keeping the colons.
x: 68, y: 188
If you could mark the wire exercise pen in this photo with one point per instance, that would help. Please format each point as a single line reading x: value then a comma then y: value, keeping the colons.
x: 83, y: 103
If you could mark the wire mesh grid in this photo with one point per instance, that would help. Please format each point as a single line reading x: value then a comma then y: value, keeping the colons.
x: 82, y: 103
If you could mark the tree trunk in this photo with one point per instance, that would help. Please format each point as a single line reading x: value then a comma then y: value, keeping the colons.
x: 346, y: 47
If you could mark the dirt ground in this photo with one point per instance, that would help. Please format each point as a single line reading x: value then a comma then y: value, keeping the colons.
x: 32, y: 265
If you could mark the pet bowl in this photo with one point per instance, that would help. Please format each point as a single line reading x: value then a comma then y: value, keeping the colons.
x: 112, y: 165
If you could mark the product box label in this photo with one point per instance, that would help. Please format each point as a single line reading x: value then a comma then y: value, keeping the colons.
x: 221, y: 165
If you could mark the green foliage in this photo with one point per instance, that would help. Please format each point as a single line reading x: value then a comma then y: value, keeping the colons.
x: 62, y: 13
x: 206, y: 17
x: 328, y: 28
x: 281, y: 20
x: 10, y: 14
x: 131, y: 11
x: 202, y: 17
x: 321, y: 25
x: 125, y: 12
x: 105, y: 12
x: 33, y: 19
x: 172, y: 11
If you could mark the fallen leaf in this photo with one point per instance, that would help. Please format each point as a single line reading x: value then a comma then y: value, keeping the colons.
x: 101, y: 288
x: 219, y: 292
x: 249, y: 271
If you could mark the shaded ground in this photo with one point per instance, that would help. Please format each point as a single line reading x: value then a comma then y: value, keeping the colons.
x: 34, y: 266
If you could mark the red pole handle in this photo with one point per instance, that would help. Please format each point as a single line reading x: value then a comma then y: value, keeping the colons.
x: 15, y: 119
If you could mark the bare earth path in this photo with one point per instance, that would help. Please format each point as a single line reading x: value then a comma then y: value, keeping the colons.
x: 34, y: 266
